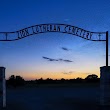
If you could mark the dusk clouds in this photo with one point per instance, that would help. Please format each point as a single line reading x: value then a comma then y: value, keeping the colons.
x: 69, y: 73
x: 51, y: 59
x: 64, y: 48
x: 60, y: 59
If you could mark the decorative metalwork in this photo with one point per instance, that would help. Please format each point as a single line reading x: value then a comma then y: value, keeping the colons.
x: 52, y: 27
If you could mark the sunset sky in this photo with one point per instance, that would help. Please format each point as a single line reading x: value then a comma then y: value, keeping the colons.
x: 25, y: 57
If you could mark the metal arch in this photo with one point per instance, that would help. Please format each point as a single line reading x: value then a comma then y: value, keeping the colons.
x: 25, y: 32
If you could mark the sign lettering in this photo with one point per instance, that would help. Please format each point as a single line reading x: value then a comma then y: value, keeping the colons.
x: 61, y: 28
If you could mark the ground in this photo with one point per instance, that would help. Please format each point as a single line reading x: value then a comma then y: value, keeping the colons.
x: 53, y: 98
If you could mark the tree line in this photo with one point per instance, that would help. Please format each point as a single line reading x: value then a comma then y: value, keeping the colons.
x: 16, y: 81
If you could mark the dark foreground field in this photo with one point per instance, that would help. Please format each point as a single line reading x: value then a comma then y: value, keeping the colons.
x: 45, y: 97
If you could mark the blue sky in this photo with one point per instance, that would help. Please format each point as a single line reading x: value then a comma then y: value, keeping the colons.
x: 24, y: 57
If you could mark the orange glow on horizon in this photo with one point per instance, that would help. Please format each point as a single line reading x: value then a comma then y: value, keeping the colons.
x: 28, y: 76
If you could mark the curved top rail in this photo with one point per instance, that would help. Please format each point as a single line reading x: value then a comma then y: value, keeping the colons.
x: 52, y: 27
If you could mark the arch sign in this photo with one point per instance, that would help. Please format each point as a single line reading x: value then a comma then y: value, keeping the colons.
x: 44, y: 28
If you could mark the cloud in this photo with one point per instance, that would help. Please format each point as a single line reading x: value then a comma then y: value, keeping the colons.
x: 51, y: 59
x: 69, y: 73
x: 45, y: 57
x: 67, y: 60
x: 64, y: 48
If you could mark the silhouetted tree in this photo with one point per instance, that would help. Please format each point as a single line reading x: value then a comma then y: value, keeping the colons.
x: 40, y: 81
x: 15, y: 81
x: 79, y: 80
x: 92, y: 78
x: 12, y: 81
x: 19, y: 81
x: 62, y: 80
x: 49, y: 80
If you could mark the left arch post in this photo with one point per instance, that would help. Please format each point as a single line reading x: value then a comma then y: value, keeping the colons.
x: 2, y: 88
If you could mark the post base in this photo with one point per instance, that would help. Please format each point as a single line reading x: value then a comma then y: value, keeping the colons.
x: 2, y: 88
x: 105, y: 86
